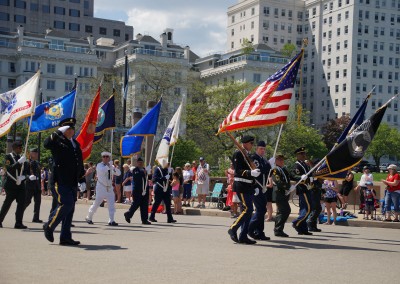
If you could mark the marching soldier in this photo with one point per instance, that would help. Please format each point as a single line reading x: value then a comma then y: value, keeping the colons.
x: 316, y: 208
x: 104, y: 188
x: 281, y: 180
x: 256, y: 227
x: 140, y: 193
x: 244, y: 186
x: 302, y: 190
x: 14, y: 185
x: 67, y: 170
x: 32, y: 171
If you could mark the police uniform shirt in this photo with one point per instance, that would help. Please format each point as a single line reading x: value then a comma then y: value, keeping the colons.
x: 139, y: 179
x: 264, y: 167
x: 243, y: 181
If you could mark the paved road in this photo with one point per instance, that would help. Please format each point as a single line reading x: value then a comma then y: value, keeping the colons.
x: 196, y: 250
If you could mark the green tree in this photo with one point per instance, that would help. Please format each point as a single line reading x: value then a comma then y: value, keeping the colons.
x: 288, y: 49
x: 386, y: 142
x: 247, y: 46
x: 333, y: 129
x: 185, y: 151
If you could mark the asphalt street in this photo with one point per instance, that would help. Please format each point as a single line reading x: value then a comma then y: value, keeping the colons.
x: 197, y: 249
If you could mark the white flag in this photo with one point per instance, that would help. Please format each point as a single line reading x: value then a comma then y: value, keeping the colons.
x: 170, y: 137
x: 18, y: 103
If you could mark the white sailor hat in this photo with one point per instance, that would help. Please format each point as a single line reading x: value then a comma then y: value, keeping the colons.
x: 106, y: 154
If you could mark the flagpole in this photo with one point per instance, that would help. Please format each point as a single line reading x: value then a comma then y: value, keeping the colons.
x: 276, y: 147
x: 172, y: 154
x: 112, y: 140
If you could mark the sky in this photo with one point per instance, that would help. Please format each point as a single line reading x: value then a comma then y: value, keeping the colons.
x: 200, y: 24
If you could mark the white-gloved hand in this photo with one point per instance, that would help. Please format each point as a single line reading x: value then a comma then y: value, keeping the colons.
x: 255, y: 173
x: 257, y: 191
x: 21, y: 178
x: 292, y: 188
x: 22, y: 159
x: 62, y: 129
x: 111, y: 163
x: 311, y: 179
x: 165, y: 189
x: 131, y: 169
x: 32, y: 177
x: 148, y: 169
x: 167, y: 177
x: 303, y: 177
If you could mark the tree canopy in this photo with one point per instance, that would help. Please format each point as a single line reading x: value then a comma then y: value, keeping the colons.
x: 386, y: 142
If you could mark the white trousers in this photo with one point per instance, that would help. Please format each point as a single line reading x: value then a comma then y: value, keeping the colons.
x: 101, y: 194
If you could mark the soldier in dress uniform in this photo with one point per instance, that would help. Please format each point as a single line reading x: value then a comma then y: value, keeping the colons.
x: 14, y: 185
x: 162, y: 192
x: 302, y: 190
x: 67, y: 170
x: 32, y: 171
x: 281, y: 181
x: 140, y: 193
x: 316, y: 208
x: 104, y: 188
x: 256, y: 227
x: 244, y: 186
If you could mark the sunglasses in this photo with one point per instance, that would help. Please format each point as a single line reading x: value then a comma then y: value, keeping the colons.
x: 106, y: 156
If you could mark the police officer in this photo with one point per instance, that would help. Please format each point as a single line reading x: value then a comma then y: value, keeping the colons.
x: 162, y: 191
x: 302, y: 190
x: 140, y: 193
x: 281, y: 181
x: 104, y: 188
x: 256, y: 226
x: 32, y: 171
x: 244, y: 186
x: 14, y: 185
x: 67, y: 170
x: 316, y: 208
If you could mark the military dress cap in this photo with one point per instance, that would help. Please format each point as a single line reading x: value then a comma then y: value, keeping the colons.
x: 261, y: 143
x: 247, y: 139
x: 201, y: 159
x: 140, y: 159
x: 33, y: 150
x: 17, y: 143
x: 108, y: 154
x: 280, y: 156
x: 68, y: 122
x: 300, y: 150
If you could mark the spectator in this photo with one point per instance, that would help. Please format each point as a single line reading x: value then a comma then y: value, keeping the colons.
x: 194, y: 170
x: 369, y: 197
x: 366, y: 176
x: 44, y: 180
x: 392, y: 183
x: 230, y: 174
x: 127, y: 183
x: 175, y: 192
x: 90, y: 181
x: 203, y: 182
x: 347, y: 186
x: 330, y: 200
x: 180, y: 173
x: 117, y: 183
x: 187, y: 185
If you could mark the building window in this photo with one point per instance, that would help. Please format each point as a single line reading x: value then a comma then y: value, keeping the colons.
x: 103, y: 31
x: 88, y: 29
x: 4, y: 16
x: 20, y: 4
x: 20, y: 19
x: 233, y: 19
x: 74, y: 13
x: 74, y: 27
x: 5, y: 2
x: 51, y: 68
x: 343, y: 101
x: 232, y: 44
x: 68, y: 86
x: 75, y: 1
x: 46, y: 9
x: 11, y: 67
x: 116, y: 32
x: 253, y: 11
x: 69, y: 70
x: 59, y: 10
x: 59, y: 25
x: 257, y: 78
x: 34, y: 7
x: 51, y: 85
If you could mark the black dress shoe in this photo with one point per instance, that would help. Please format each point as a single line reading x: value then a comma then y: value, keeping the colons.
x: 263, y: 238
x: 247, y: 241
x: 48, y: 233
x: 72, y: 225
x: 37, y: 221
x: 90, y: 222
x: 1, y: 225
x: 152, y: 220
x: 314, y: 230
x: 146, y: 223
x: 127, y: 219
x: 233, y: 236
x: 20, y: 226
x: 69, y: 242
x: 305, y: 233
x: 170, y: 221
x: 113, y: 223
x: 281, y: 234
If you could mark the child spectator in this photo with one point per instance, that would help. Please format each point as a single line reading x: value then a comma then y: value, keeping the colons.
x: 369, y: 197
x: 175, y: 184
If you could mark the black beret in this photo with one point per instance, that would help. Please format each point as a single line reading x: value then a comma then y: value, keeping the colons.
x: 300, y: 150
x: 247, y: 139
x: 280, y: 156
x: 33, y: 150
x: 261, y: 143
x: 68, y: 122
x: 17, y: 143
x: 140, y: 159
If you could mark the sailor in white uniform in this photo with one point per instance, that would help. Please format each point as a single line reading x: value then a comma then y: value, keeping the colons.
x: 104, y: 188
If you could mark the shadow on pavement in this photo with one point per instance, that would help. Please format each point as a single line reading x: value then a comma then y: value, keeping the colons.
x: 99, y: 247
x: 40, y: 230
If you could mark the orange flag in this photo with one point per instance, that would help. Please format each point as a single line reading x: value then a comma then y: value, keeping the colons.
x: 86, y: 136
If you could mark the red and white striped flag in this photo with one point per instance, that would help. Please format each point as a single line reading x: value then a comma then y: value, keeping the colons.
x: 268, y: 104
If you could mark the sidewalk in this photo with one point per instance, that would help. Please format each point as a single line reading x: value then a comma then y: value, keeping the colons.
x: 215, y: 212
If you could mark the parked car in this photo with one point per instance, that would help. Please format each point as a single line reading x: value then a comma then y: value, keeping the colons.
x: 383, y: 167
x: 372, y: 168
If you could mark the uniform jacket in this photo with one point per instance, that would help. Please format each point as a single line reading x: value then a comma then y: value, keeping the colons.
x: 32, y: 168
x: 67, y: 159
x: 105, y: 173
x: 264, y: 167
x: 159, y: 179
x: 281, y: 178
x: 139, y: 179
x: 12, y: 165
x: 243, y: 181
x: 301, y: 168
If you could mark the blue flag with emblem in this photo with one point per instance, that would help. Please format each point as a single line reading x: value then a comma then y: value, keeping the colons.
x: 131, y: 143
x: 105, y: 119
x: 49, y: 114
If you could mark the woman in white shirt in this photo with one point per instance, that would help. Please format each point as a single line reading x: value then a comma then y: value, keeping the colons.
x: 187, y: 185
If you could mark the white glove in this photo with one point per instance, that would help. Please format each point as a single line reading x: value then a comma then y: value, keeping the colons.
x: 257, y: 191
x: 132, y: 168
x: 20, y: 179
x: 255, y: 173
x: 167, y: 177
x: 303, y: 177
x: 311, y: 179
x: 110, y: 163
x: 148, y: 169
x: 165, y: 189
x: 32, y: 177
x: 22, y: 159
x: 292, y: 188
x: 62, y: 129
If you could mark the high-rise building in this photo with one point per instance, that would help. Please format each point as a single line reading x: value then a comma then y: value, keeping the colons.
x: 353, y: 46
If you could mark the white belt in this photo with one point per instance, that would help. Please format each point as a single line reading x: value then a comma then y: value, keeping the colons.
x: 242, y: 180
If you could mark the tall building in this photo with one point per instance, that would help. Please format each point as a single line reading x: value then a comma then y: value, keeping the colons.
x: 353, y: 45
x: 74, y: 18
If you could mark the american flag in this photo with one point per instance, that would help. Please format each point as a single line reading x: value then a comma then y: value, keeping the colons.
x: 268, y: 104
